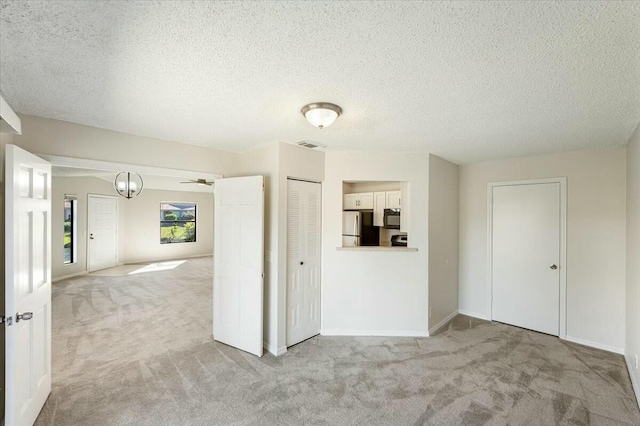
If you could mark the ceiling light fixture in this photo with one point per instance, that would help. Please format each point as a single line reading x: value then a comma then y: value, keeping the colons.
x: 321, y: 114
x: 128, y: 184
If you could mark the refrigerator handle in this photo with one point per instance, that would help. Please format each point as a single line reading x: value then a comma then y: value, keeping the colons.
x: 356, y: 230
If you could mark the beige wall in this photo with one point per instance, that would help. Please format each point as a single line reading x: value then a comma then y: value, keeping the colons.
x: 632, y: 349
x: 264, y: 161
x: 53, y: 137
x: 443, y: 241
x: 375, y: 292
x: 596, y: 232
x: 81, y: 188
x: 140, y: 236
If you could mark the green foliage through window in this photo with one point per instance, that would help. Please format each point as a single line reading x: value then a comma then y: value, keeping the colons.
x: 177, y: 223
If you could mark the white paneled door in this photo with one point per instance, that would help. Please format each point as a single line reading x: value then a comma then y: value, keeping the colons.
x: 238, y: 263
x: 103, y: 232
x: 526, y: 266
x: 303, y: 260
x: 28, y: 286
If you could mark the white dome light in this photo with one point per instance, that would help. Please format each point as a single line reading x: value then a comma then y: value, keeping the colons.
x: 321, y: 114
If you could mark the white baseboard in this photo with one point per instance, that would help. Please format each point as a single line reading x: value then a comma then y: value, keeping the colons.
x: 439, y: 325
x: 595, y: 345
x: 634, y: 380
x: 473, y: 314
x: 273, y: 350
x: 64, y: 277
x: 376, y: 333
x: 151, y: 260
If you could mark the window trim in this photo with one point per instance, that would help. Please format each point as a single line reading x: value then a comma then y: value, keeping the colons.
x: 74, y: 229
x: 195, y: 222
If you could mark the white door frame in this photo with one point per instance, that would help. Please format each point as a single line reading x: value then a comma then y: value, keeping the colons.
x: 563, y: 243
x: 286, y: 251
x: 89, y: 196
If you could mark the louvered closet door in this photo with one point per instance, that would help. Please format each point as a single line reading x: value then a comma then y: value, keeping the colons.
x: 303, y: 265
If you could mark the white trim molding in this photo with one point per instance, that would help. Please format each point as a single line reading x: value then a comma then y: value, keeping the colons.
x: 375, y: 333
x: 563, y: 244
x: 634, y: 382
x: 273, y: 350
x: 64, y: 277
x: 595, y: 345
x: 442, y: 323
x: 474, y: 315
x: 9, y: 120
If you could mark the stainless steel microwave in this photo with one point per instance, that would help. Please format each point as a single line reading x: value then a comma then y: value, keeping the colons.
x: 392, y: 218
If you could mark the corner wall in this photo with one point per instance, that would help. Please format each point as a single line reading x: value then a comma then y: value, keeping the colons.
x: 375, y: 292
x: 632, y: 320
x: 81, y: 187
x: 596, y: 233
x: 443, y: 242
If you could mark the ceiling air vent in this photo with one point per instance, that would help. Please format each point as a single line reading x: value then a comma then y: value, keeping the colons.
x: 311, y: 145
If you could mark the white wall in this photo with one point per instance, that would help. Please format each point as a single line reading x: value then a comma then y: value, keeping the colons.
x: 53, y: 137
x: 596, y: 232
x: 276, y: 162
x: 301, y: 163
x: 443, y: 241
x: 367, y: 292
x: 140, y: 236
x: 264, y: 161
x: 632, y: 349
x: 80, y: 187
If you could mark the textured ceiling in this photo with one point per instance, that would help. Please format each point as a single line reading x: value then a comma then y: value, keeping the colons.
x: 467, y: 81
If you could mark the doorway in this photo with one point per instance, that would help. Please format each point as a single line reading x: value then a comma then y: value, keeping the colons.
x: 527, y: 254
x: 102, y: 220
x: 303, y: 260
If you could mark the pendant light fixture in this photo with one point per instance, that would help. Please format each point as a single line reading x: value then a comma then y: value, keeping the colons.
x: 128, y: 184
x: 321, y: 114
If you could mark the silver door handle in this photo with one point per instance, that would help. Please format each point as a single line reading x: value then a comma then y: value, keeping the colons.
x: 26, y: 316
x: 554, y: 267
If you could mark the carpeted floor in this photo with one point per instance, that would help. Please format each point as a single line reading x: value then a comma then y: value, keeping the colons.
x: 137, y: 350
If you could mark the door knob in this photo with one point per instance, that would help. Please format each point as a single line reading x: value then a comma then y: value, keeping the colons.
x: 26, y: 316
x: 302, y: 263
x: 554, y: 267
x: 91, y: 236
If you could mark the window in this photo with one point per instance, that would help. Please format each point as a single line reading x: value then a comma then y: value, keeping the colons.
x: 177, y: 223
x: 70, y: 229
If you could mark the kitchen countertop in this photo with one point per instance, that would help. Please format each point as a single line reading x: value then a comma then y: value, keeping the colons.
x: 376, y: 248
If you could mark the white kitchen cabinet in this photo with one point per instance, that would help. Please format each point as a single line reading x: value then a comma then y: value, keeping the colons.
x: 358, y: 201
x: 350, y: 202
x: 379, y: 204
x: 365, y: 200
x: 394, y: 199
x: 404, y: 200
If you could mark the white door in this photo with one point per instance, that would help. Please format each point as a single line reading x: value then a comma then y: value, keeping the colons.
x: 303, y: 261
x: 238, y: 266
x: 526, y: 256
x: 28, y: 286
x: 103, y: 232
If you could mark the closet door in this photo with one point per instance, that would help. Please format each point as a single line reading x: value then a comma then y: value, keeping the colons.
x: 303, y: 262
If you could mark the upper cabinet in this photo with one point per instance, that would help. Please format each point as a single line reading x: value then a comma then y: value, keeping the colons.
x: 359, y: 201
x: 394, y: 200
x: 379, y: 204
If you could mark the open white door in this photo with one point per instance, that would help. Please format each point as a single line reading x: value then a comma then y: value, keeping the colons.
x: 238, y: 253
x: 28, y: 286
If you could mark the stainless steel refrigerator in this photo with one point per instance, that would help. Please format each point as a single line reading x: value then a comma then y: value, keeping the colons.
x: 358, y: 229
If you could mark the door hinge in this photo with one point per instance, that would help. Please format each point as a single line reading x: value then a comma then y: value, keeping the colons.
x: 6, y: 320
